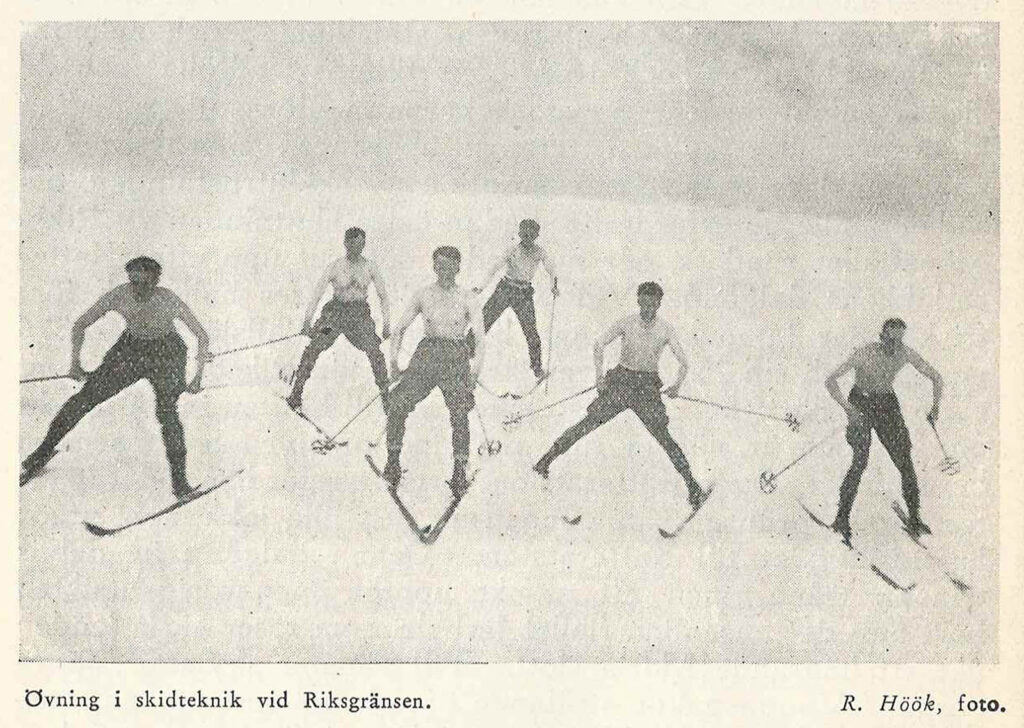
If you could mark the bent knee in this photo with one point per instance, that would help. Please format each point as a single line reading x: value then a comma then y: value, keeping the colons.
x: 859, y: 463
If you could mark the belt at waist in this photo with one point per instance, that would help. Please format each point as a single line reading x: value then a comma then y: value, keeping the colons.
x: 442, y: 341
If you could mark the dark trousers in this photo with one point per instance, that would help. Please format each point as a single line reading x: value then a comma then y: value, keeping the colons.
x: 162, y: 362
x: 881, y: 414
x: 351, y: 318
x: 520, y: 298
x: 637, y: 391
x: 442, y: 363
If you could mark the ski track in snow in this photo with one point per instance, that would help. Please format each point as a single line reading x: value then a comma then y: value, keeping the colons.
x: 304, y: 557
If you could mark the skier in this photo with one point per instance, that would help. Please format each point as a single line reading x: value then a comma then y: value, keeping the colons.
x: 516, y: 290
x: 346, y: 313
x: 149, y: 348
x: 634, y: 384
x: 872, y: 404
x: 442, y: 359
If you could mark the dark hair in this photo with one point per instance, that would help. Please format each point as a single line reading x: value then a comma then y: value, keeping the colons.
x: 530, y: 223
x: 894, y: 322
x: 448, y: 251
x: 650, y: 288
x: 354, y: 232
x: 143, y: 263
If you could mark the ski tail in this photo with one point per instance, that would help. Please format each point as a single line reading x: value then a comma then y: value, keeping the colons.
x: 198, y: 493
x: 956, y: 581
x: 419, y: 531
x: 439, y: 527
x: 887, y: 579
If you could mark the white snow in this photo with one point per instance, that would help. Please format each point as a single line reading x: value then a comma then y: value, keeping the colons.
x: 305, y: 558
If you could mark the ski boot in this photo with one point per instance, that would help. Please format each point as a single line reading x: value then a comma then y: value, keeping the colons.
x: 458, y: 482
x: 842, y: 527
x: 179, y: 482
x: 294, y: 401
x: 542, y: 466
x: 697, y: 496
x: 393, y: 470
x: 34, y: 463
x: 917, y: 528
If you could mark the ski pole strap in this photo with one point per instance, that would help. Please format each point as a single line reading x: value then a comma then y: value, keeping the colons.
x: 214, y: 355
x: 49, y: 378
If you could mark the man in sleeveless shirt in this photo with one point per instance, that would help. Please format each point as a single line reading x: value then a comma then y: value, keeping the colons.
x: 346, y: 313
x: 872, y: 405
x: 515, y: 289
x: 442, y: 359
x: 149, y: 348
x: 634, y: 384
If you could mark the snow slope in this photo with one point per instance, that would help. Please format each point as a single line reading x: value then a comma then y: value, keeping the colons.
x: 305, y: 558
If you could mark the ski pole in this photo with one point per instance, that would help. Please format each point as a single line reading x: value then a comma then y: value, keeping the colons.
x: 489, y: 446
x: 214, y: 355
x: 551, y: 338
x: 49, y: 378
x: 519, y: 417
x: 949, y: 466
x: 768, y: 477
x: 330, y: 443
x: 790, y: 419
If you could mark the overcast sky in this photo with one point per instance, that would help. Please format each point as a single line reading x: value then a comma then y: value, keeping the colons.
x: 829, y: 119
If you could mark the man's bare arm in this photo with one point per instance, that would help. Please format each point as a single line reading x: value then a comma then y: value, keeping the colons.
x: 918, y: 362
x: 550, y: 268
x: 614, y: 332
x: 832, y: 385
x: 385, y: 305
x: 103, y: 306
x: 677, y: 350
x: 476, y: 325
x: 408, y: 316
x: 185, y: 315
x: 318, y: 293
x: 502, y: 263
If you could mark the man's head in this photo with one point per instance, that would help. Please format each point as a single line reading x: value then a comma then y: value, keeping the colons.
x: 355, y: 241
x: 143, y: 273
x: 446, y: 263
x: 648, y: 295
x: 892, y: 331
x: 528, y: 231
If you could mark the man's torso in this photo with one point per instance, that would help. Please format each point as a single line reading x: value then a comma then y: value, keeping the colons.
x: 446, y: 312
x: 150, y: 319
x: 351, y: 279
x: 875, y: 370
x: 643, y: 343
x: 523, y: 262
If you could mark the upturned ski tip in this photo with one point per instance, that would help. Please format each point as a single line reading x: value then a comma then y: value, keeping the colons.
x: 573, y: 521
x: 97, y: 530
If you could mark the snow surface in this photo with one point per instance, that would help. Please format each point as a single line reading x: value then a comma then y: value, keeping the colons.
x: 305, y: 558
